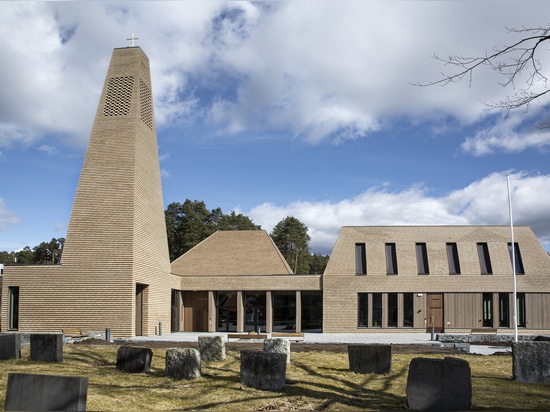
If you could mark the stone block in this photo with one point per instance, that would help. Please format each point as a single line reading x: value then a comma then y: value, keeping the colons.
x: 263, y: 370
x: 183, y: 363
x: 27, y: 392
x: 439, y: 384
x: 133, y: 359
x: 278, y: 345
x: 531, y: 362
x: 212, y: 348
x: 47, y: 347
x: 10, y: 346
x: 370, y: 358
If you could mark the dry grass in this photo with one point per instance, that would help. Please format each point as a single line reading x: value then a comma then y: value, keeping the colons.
x: 316, y: 380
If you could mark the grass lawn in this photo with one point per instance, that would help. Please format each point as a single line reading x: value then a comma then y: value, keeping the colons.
x: 316, y: 380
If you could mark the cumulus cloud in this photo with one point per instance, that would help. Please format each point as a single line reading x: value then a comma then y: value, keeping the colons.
x: 483, y: 202
x: 504, y: 136
x: 330, y: 70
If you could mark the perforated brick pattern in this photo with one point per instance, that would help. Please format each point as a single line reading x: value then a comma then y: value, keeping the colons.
x: 146, y: 104
x: 119, y: 96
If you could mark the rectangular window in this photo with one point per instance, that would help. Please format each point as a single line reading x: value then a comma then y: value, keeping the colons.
x: 484, y: 259
x: 391, y: 259
x: 284, y: 311
x: 517, y: 255
x: 255, y: 311
x: 376, y: 310
x: 13, y: 309
x: 363, y: 308
x: 487, y: 310
x: 504, y: 310
x: 312, y: 312
x: 360, y: 259
x: 521, y: 309
x: 408, y: 310
x: 452, y: 257
x: 392, y: 310
x: 422, y: 259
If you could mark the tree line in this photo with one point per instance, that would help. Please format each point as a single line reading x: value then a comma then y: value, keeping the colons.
x: 188, y: 224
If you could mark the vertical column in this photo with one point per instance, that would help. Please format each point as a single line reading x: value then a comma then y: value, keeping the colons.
x: 384, y: 310
x: 240, y: 312
x: 400, y: 311
x: 212, y: 313
x: 269, y: 312
x: 369, y: 320
x: 298, y: 311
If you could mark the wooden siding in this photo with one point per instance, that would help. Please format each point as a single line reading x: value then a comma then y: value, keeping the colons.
x: 462, y: 292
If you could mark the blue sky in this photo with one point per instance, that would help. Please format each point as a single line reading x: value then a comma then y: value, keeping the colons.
x: 275, y: 109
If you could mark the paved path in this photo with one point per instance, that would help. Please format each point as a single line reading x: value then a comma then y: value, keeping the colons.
x: 345, y: 338
x: 396, y: 338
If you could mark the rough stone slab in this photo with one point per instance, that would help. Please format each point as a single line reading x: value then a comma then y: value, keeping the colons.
x: 10, y: 346
x: 370, y: 358
x: 47, y: 347
x: 212, y: 348
x: 263, y: 370
x: 27, y: 392
x: 183, y: 363
x: 531, y: 362
x: 134, y: 359
x: 439, y: 384
x: 278, y: 345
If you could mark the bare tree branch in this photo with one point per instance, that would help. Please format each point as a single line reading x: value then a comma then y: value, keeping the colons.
x: 517, y: 63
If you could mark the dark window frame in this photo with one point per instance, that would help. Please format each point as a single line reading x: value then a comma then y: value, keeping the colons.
x: 504, y: 310
x: 408, y: 310
x: 484, y: 258
x: 487, y: 300
x: 362, y: 310
x: 377, y: 309
x: 422, y: 263
x: 13, y: 308
x: 360, y: 259
x: 393, y: 310
x: 391, y: 259
x: 520, y: 270
x: 453, y: 259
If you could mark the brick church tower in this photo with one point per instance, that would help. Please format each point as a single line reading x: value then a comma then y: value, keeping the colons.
x: 115, y: 268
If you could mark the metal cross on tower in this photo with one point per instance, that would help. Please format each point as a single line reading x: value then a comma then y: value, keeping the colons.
x: 133, y: 38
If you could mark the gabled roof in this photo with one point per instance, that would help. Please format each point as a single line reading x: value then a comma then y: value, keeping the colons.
x: 235, y: 252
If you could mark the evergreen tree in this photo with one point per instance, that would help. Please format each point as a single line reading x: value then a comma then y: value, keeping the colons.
x: 48, y: 252
x: 318, y: 263
x: 190, y: 223
x: 290, y: 236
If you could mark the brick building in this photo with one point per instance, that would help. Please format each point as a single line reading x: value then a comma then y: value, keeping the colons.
x: 115, y: 270
x: 454, y: 278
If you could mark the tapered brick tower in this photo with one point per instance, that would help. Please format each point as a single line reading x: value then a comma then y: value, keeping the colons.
x: 115, y: 269
x: 116, y: 238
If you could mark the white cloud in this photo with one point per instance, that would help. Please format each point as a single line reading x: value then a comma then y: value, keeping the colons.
x: 7, y: 217
x: 504, y: 135
x: 326, y: 70
x: 482, y: 202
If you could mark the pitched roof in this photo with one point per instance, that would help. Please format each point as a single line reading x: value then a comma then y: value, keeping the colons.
x: 235, y: 252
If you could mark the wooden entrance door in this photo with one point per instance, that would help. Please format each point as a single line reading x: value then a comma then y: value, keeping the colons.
x: 140, y: 289
x: 435, y: 312
x: 195, y: 312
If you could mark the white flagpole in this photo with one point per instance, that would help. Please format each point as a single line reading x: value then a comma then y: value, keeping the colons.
x: 513, y: 249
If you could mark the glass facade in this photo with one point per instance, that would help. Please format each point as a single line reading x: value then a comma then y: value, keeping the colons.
x: 255, y: 311
x: 226, y: 311
x: 312, y: 312
x: 284, y: 311
x: 408, y: 310
x: 363, y: 310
